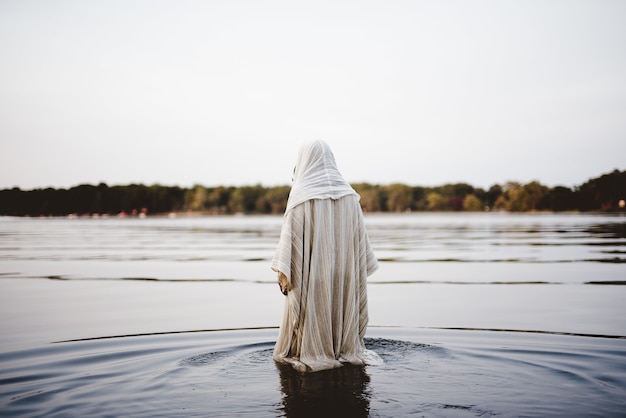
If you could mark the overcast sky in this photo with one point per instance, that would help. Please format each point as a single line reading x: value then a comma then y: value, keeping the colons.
x: 225, y: 92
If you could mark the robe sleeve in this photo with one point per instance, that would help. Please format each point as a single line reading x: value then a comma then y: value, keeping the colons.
x: 366, y: 248
x: 283, y: 258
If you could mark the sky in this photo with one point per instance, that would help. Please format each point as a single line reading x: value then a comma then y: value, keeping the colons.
x: 214, y: 92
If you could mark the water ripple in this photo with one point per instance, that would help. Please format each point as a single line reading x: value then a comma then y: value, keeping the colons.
x: 228, y: 373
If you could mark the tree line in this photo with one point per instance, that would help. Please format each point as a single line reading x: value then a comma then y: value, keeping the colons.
x: 605, y: 193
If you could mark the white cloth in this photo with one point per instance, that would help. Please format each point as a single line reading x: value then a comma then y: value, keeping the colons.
x: 316, y: 176
x: 325, y: 253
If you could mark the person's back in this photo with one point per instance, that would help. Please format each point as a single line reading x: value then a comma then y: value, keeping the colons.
x: 323, y: 260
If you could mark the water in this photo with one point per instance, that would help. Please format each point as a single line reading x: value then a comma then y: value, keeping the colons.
x: 473, y: 315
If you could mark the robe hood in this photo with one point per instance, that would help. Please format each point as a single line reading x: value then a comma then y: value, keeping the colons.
x: 316, y: 176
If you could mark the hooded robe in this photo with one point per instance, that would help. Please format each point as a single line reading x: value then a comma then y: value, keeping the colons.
x: 324, y: 256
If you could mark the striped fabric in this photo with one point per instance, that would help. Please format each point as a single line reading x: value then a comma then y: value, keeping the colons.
x: 325, y: 254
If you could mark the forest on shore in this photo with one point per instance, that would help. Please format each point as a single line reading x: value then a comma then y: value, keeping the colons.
x: 602, y: 194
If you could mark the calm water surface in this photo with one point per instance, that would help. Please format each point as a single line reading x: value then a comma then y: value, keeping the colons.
x: 474, y: 315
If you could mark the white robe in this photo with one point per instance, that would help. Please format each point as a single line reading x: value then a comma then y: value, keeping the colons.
x: 325, y: 253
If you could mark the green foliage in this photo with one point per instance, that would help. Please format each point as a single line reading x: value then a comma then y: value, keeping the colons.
x: 196, y: 198
x: 599, y: 194
x: 88, y: 199
x: 435, y: 202
x: 276, y: 198
x: 523, y: 198
x: 471, y: 203
x: 602, y: 193
x: 373, y: 197
x: 399, y: 198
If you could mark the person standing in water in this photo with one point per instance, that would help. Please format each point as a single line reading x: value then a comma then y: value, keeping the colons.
x: 323, y: 260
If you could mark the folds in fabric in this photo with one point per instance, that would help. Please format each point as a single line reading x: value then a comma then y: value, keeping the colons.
x: 316, y: 176
x: 324, y: 252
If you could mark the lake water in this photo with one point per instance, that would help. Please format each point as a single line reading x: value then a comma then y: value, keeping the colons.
x: 486, y: 314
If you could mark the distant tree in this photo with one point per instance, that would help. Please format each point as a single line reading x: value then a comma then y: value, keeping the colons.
x: 245, y: 199
x: 492, y: 195
x: 455, y: 203
x: 218, y: 199
x: 508, y: 197
x: 11, y: 202
x: 518, y: 198
x: 559, y: 199
x: 370, y: 197
x: 602, y: 193
x: 399, y: 197
x: 435, y: 201
x: 445, y: 190
x: 276, y: 198
x: 471, y: 203
x: 419, y: 198
x: 462, y: 189
x: 532, y: 196
x: 598, y: 194
x: 196, y: 198
x: 166, y: 199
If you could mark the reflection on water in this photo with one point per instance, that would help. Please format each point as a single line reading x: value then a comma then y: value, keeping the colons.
x: 341, y: 392
x: 506, y: 238
x: 610, y: 230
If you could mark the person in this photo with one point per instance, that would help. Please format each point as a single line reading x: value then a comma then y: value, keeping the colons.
x: 323, y: 260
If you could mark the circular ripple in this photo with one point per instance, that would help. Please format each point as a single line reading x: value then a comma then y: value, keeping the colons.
x: 231, y: 373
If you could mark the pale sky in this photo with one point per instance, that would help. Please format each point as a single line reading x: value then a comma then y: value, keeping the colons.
x: 212, y: 92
